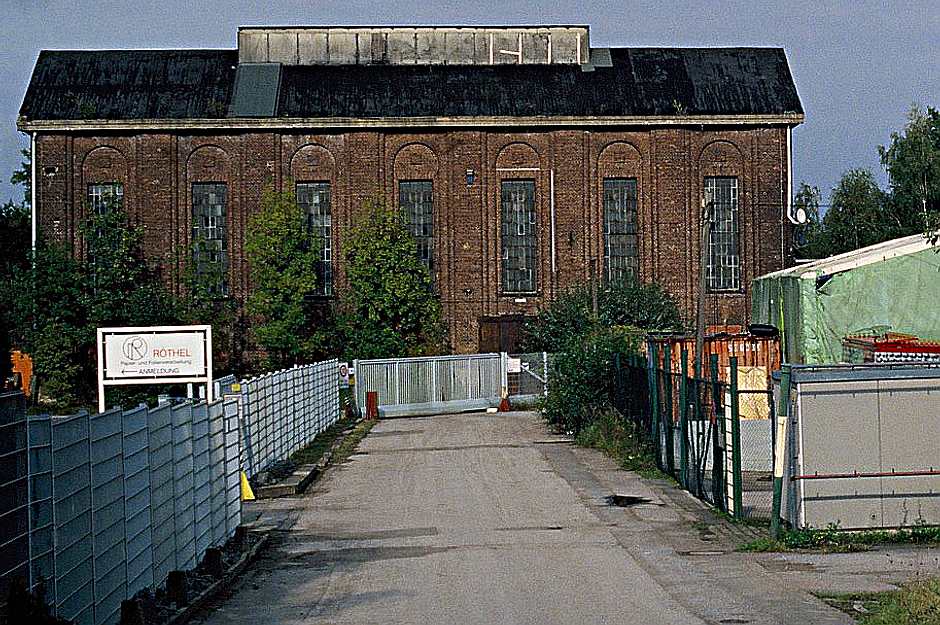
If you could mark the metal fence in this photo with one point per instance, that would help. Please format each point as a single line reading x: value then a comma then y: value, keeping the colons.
x: 14, y: 500
x: 285, y: 410
x: 697, y: 431
x: 531, y: 379
x: 121, y: 498
x: 441, y: 382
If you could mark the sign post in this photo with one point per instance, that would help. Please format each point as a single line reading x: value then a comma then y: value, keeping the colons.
x: 154, y: 355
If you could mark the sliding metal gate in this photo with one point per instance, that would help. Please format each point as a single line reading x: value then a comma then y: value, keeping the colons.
x: 432, y: 384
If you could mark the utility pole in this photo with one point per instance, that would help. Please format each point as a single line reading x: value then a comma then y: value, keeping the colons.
x: 707, y: 208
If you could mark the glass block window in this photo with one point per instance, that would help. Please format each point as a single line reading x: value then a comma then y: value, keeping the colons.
x: 620, y: 237
x: 314, y: 199
x: 210, y: 249
x: 416, y: 202
x: 723, y: 269
x: 104, y: 196
x: 518, y: 236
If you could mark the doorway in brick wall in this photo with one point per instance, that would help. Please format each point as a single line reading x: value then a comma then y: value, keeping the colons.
x: 501, y: 334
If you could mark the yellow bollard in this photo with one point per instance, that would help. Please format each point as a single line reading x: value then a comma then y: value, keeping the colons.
x: 247, y: 493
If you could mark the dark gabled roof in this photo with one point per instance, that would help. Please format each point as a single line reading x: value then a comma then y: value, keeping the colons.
x: 130, y: 84
x: 198, y: 84
x: 642, y: 81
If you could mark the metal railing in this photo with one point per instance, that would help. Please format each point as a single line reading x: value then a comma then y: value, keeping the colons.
x: 697, y: 431
x: 531, y: 381
x: 283, y: 411
x: 432, y: 380
x: 121, y: 498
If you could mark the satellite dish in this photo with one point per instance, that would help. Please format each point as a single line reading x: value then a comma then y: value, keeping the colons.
x: 801, y: 215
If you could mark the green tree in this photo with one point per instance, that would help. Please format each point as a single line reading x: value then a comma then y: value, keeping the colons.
x: 282, y: 256
x: 389, y: 308
x: 50, y: 310
x: 859, y: 216
x: 122, y: 289
x: 627, y: 302
x: 60, y: 301
x: 808, y: 236
x: 912, y: 160
x: 15, y: 241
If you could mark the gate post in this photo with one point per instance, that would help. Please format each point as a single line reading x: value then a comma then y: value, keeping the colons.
x: 684, y: 419
x: 718, y: 473
x: 668, y: 419
x: 736, y: 439
x: 652, y: 380
x: 783, y: 417
x: 545, y: 374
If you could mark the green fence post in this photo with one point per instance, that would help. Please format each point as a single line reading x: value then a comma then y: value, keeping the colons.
x: 668, y: 420
x: 684, y: 419
x: 654, y: 401
x: 718, y: 465
x: 697, y: 440
x: 783, y: 420
x: 736, y: 439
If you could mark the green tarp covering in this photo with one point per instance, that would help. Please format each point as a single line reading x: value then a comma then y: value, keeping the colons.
x: 893, y: 286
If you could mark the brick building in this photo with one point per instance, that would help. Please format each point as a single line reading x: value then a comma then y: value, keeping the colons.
x: 523, y: 158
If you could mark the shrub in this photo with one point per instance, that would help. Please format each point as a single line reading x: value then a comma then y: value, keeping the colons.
x: 626, y: 302
x: 581, y: 380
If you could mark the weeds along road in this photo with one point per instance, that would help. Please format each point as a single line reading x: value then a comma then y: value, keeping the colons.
x: 490, y: 519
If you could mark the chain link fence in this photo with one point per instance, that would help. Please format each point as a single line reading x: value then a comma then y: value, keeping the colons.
x: 715, y: 439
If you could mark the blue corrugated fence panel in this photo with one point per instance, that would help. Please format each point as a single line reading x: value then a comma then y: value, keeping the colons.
x: 107, y: 473
x: 161, y: 493
x: 74, y: 565
x: 183, y: 487
x: 201, y: 491
x: 137, y: 525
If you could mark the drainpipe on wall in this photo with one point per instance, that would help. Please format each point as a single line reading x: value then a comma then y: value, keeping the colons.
x: 790, y: 216
x: 551, y: 204
x: 32, y: 191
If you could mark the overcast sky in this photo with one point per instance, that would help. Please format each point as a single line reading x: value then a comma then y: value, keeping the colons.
x: 859, y: 65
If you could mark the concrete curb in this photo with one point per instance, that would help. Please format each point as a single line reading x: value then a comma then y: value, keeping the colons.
x: 298, y: 481
x: 196, y: 605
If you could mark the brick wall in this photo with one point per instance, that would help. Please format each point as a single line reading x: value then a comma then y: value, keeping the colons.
x: 158, y: 171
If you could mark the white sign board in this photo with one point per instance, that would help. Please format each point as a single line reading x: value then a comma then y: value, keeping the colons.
x: 343, y: 375
x: 513, y: 365
x: 154, y: 355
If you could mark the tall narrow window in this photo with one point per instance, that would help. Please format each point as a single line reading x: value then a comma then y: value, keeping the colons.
x: 620, y: 239
x: 416, y: 202
x: 210, y: 250
x: 102, y: 197
x: 723, y: 270
x: 314, y: 199
x: 518, y: 236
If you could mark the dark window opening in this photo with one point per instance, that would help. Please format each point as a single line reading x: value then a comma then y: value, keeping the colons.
x: 314, y: 199
x: 723, y: 267
x: 416, y: 202
x: 620, y: 233
x: 102, y: 197
x: 518, y: 237
x: 210, y: 252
